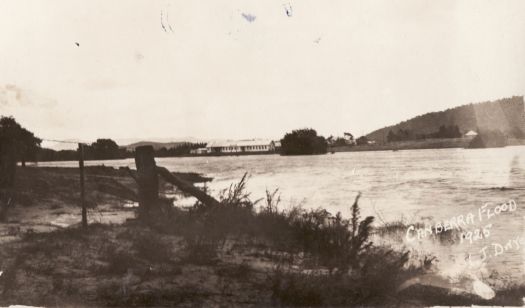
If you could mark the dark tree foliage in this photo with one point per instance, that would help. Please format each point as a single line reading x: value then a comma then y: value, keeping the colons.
x: 103, y: 149
x: 336, y: 142
x: 451, y: 131
x: 46, y: 154
x: 362, y: 140
x: 401, y: 135
x: 303, y: 142
x: 179, y: 150
x: 22, y: 142
x: 340, y: 141
x: 108, y: 149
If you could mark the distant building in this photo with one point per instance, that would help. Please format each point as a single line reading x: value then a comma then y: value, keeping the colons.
x: 277, y: 145
x: 241, y: 146
x: 471, y: 134
x: 199, y: 151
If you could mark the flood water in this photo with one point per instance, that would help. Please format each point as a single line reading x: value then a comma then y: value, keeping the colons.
x: 426, y: 186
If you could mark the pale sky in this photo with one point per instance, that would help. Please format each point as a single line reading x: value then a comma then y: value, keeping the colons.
x: 244, y: 68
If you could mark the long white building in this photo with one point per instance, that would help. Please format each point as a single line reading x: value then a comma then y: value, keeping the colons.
x: 241, y: 146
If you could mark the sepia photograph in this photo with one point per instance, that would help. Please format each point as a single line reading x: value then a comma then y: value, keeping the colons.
x: 267, y: 153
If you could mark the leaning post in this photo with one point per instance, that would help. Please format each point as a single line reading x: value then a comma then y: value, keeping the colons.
x: 82, y: 190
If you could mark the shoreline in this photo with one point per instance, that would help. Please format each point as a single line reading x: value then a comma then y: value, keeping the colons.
x: 425, y: 144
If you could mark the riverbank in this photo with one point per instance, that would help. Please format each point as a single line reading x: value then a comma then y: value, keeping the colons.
x: 441, y: 143
x: 437, y: 143
x: 236, y: 254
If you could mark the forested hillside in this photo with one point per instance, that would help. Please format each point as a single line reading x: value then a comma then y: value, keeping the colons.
x: 506, y: 115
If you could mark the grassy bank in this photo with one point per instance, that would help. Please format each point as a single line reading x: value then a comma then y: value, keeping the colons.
x: 239, y: 252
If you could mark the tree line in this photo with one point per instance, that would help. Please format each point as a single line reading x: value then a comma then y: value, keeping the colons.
x: 23, y: 146
x: 451, y: 131
x: 105, y: 149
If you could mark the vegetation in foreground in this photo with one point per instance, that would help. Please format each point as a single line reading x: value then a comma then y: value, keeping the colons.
x: 235, y: 253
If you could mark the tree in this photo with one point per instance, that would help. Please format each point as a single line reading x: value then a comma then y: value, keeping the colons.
x: 303, y: 142
x: 16, y: 144
x: 340, y: 142
x: 362, y: 140
x: 15, y: 138
x: 451, y: 131
x: 104, y: 149
x: 391, y: 136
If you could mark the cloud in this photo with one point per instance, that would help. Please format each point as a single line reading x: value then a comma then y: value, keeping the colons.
x: 11, y: 95
x: 15, y: 96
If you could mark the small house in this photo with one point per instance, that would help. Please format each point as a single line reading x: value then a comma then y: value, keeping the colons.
x: 471, y: 134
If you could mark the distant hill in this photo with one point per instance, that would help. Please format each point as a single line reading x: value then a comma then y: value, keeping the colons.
x: 156, y: 145
x: 506, y: 115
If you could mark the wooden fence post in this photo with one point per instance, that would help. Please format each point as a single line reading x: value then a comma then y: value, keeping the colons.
x: 82, y: 191
x: 147, y: 180
x: 7, y: 164
x: 7, y: 176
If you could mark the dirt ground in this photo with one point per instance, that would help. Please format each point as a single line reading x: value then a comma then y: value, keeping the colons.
x: 47, y: 259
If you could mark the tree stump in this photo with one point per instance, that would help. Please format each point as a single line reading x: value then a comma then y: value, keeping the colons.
x: 147, y: 180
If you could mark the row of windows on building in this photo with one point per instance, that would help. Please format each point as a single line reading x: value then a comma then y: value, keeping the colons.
x: 255, y: 147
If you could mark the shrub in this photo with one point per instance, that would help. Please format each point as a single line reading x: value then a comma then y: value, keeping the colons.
x: 374, y: 283
x: 303, y: 142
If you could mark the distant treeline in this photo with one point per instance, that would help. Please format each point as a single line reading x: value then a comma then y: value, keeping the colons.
x: 103, y: 149
x: 179, y: 150
x: 451, y: 131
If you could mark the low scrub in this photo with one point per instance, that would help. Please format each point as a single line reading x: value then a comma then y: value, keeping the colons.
x: 355, y: 270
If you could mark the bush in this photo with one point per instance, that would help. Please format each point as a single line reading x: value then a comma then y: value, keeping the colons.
x: 303, y: 142
x: 374, y: 283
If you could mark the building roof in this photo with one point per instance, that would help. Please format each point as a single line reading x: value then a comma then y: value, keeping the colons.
x: 471, y: 133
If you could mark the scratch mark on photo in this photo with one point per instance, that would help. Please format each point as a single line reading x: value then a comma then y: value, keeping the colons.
x: 288, y: 9
x: 162, y: 21
x: 249, y: 17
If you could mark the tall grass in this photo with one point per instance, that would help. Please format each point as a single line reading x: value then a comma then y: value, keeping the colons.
x: 327, y: 240
x: 356, y: 270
